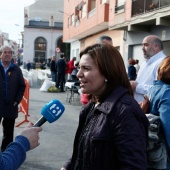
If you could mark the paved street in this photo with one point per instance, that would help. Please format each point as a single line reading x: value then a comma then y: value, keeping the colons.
x: 56, y: 139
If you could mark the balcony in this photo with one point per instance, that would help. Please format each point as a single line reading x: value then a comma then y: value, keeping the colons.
x: 44, y: 24
x: 119, y: 8
x: 87, y: 23
x: 140, y: 7
x: 142, y: 15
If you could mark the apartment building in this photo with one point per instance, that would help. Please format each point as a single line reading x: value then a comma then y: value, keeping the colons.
x: 85, y: 21
x: 126, y: 21
x: 139, y: 18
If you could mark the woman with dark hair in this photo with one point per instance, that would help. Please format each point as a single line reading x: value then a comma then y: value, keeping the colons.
x: 112, y: 130
x: 158, y: 101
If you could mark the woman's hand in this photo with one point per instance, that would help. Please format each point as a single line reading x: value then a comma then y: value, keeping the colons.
x: 145, y: 104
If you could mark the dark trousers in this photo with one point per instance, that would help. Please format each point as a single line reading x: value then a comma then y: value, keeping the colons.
x: 53, y: 76
x: 60, y: 81
x: 8, y: 132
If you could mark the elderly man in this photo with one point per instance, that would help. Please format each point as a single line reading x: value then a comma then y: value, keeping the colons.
x: 12, y: 87
x: 153, y: 53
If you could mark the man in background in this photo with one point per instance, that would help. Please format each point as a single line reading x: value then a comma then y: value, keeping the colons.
x: 53, y: 68
x: 104, y: 39
x: 61, y: 65
x: 12, y: 87
x: 152, y: 48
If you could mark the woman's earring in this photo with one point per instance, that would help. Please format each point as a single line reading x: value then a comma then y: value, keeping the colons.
x: 105, y: 80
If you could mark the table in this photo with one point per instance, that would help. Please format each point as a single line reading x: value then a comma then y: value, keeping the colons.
x: 69, y: 84
x: 47, y: 73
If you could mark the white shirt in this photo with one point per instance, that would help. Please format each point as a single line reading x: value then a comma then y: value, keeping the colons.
x: 147, y: 74
x: 137, y: 67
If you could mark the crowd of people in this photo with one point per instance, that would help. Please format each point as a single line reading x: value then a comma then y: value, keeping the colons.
x: 113, y: 127
x: 63, y: 70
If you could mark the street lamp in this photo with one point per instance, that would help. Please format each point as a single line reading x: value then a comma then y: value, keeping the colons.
x: 59, y: 11
x: 22, y: 38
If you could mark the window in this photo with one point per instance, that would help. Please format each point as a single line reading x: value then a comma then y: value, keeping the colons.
x: 92, y: 5
x: 68, y: 22
x: 40, y: 47
x: 72, y: 20
x: 104, y: 1
x: 120, y: 2
x: 84, y: 11
x: 120, y: 6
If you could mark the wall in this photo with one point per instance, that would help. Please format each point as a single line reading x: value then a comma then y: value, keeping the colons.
x: 30, y: 34
x: 75, y: 50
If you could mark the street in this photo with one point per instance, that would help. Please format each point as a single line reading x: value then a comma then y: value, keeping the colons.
x: 56, y: 139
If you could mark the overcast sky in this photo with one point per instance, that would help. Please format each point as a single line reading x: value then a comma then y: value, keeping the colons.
x: 11, y: 13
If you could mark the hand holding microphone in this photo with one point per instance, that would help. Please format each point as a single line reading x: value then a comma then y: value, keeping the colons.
x: 50, y: 112
x: 32, y: 134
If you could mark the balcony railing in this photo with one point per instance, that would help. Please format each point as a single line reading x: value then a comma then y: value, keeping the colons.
x: 120, y: 8
x: 144, y: 6
x: 92, y: 12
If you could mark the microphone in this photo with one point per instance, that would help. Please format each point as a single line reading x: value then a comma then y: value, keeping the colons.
x: 50, y: 112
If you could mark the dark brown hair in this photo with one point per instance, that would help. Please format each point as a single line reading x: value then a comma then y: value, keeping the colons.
x: 164, y: 71
x: 111, y: 66
x: 131, y: 61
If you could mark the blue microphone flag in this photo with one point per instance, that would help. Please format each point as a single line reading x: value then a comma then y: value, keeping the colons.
x: 53, y: 110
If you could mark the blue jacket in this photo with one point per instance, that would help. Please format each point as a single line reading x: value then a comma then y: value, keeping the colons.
x: 118, y: 136
x: 15, y: 154
x: 12, y: 87
x: 131, y: 72
x: 160, y: 105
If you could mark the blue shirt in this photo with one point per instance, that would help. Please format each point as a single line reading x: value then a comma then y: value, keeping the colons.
x: 15, y: 154
x: 159, y: 95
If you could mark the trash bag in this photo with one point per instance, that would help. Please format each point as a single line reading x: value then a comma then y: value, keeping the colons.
x: 46, y: 85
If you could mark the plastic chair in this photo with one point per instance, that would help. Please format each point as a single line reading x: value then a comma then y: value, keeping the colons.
x: 73, y: 95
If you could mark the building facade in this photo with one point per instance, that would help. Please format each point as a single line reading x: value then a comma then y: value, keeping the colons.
x: 138, y: 19
x: 85, y: 21
x: 126, y: 21
x: 43, y: 31
x: 5, y: 41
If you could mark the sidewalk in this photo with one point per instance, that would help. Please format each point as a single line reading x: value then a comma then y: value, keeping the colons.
x: 56, y: 139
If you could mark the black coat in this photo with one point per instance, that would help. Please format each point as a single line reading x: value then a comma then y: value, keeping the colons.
x: 53, y: 67
x: 12, y: 87
x: 61, y: 65
x: 131, y: 72
x: 118, y: 136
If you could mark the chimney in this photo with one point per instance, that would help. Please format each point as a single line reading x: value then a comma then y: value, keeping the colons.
x: 51, y: 22
x: 26, y: 22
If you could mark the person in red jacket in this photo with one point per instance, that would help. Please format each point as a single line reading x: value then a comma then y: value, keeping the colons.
x: 71, y: 67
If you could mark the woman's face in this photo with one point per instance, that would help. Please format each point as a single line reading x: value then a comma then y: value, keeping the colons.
x: 91, y: 80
